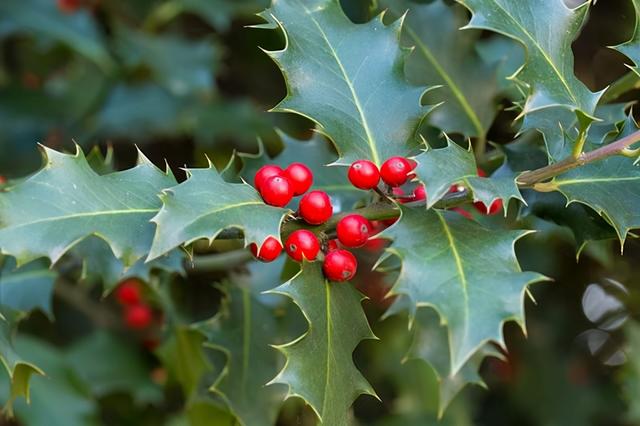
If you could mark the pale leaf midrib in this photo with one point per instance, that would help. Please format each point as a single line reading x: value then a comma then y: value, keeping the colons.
x: 80, y: 216
x: 356, y: 100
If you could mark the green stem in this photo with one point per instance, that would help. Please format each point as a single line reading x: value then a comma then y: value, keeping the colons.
x: 529, y: 179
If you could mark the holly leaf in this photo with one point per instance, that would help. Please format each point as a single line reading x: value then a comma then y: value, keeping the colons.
x: 319, y: 365
x: 182, y: 66
x: 632, y: 371
x: 66, y: 201
x: 45, y: 20
x: 18, y: 369
x: 445, y: 56
x: 631, y: 48
x: 60, y: 398
x: 204, y: 205
x: 430, y: 343
x: 99, y: 264
x: 507, y: 56
x: 439, y: 169
x: 109, y: 365
x: 348, y: 78
x: 466, y: 272
x: 611, y: 187
x: 27, y: 288
x: 546, y: 29
x: 243, y: 330
x: 317, y: 153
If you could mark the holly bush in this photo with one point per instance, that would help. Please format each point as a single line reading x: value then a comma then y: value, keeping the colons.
x: 431, y: 169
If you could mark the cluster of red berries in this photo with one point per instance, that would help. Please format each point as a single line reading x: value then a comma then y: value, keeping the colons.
x: 137, y: 314
x: 278, y: 186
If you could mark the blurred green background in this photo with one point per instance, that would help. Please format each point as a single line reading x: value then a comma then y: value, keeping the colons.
x: 185, y: 78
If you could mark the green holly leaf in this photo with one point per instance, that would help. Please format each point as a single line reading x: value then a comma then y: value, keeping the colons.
x: 109, y: 365
x: 631, y: 48
x: 317, y: 153
x: 611, y: 187
x: 204, y: 205
x: 348, y: 78
x: 546, y: 29
x: 185, y: 359
x: 182, y: 66
x: 99, y: 264
x: 26, y: 288
x: 632, y: 371
x: 66, y: 201
x: 430, y: 343
x: 319, y: 365
x: 507, y: 56
x: 47, y: 22
x: 466, y: 272
x: 18, y: 369
x: 445, y: 56
x: 439, y: 169
x: 59, y: 399
x: 243, y: 330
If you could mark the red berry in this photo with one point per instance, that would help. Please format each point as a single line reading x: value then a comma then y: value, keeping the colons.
x: 276, y: 191
x: 315, y: 207
x: 353, y: 230
x: 332, y: 245
x: 340, y: 265
x: 363, y: 174
x: 138, y: 317
x: 269, y: 251
x: 481, y: 173
x: 456, y: 188
x: 419, y: 193
x: 128, y: 293
x: 302, y: 244
x: 300, y: 177
x: 68, y: 6
x: 3, y: 180
x: 264, y: 173
x: 494, y: 208
x: 395, y: 171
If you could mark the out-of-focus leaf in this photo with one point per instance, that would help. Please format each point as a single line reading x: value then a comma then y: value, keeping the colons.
x: 430, y: 343
x: 220, y: 13
x: 67, y: 201
x: 631, y: 372
x: 469, y: 274
x: 631, y: 48
x: 107, y: 365
x: 19, y: 371
x: 204, y: 205
x: 45, y: 20
x: 182, y: 354
x: 100, y: 264
x: 56, y: 399
x: 347, y: 78
x: 507, y: 56
x: 445, y: 56
x: 243, y: 330
x: 140, y: 111
x: 26, y: 288
x: 180, y: 65
x: 319, y: 365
